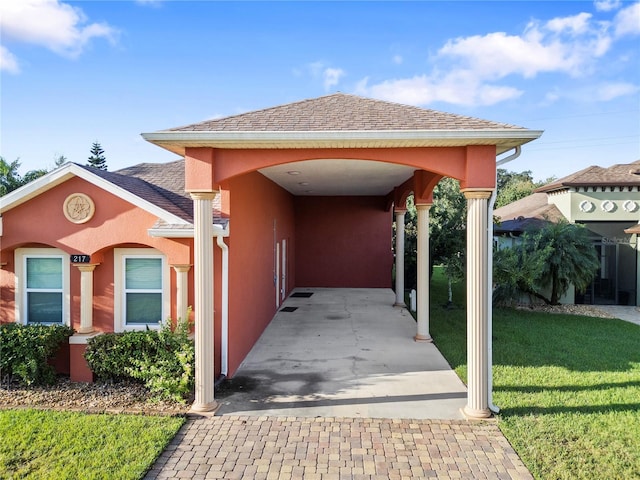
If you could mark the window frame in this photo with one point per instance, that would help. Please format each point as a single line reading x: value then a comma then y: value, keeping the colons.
x: 22, y: 291
x: 120, y: 292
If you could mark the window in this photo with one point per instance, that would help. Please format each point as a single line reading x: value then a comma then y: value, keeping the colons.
x: 42, y: 286
x: 141, y: 286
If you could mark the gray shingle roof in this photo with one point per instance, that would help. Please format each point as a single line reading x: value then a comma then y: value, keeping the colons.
x: 161, y: 184
x: 343, y: 112
x: 528, y: 211
x: 620, y: 175
x: 156, y: 183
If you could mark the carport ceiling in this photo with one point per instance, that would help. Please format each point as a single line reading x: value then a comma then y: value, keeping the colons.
x: 338, y: 177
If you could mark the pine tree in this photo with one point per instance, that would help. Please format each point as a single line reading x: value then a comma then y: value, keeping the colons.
x: 97, y: 158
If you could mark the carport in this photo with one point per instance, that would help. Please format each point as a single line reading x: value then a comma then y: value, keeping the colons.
x: 343, y: 147
x: 343, y: 352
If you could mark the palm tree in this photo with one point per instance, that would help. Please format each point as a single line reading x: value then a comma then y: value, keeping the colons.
x: 547, y: 262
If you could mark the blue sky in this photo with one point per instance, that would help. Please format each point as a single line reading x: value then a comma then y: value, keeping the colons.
x: 73, y: 73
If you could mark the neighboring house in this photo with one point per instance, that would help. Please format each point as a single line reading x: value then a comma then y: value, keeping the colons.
x: 299, y: 195
x: 607, y: 202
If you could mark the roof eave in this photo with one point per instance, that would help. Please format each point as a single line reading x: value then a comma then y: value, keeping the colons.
x: 178, y: 141
x: 69, y: 170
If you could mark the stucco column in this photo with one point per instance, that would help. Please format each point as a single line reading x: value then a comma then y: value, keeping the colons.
x: 182, y: 290
x: 477, y: 313
x: 86, y: 296
x: 203, y: 273
x: 400, y: 258
x: 423, y: 273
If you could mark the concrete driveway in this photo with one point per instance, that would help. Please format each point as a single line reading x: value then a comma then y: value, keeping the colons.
x: 343, y: 353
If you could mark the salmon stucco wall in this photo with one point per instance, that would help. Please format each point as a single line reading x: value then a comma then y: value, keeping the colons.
x: 261, y: 216
x: 343, y: 242
x: 40, y: 222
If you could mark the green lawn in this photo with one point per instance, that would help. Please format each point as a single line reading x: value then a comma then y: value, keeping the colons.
x: 568, y: 386
x: 63, y: 445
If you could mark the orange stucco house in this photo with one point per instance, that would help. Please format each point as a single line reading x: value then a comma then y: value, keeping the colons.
x: 298, y: 195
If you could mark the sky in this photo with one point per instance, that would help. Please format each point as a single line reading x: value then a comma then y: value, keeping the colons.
x: 73, y: 73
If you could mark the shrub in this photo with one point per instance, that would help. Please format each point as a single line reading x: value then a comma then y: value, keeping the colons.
x: 26, y: 349
x: 162, y: 359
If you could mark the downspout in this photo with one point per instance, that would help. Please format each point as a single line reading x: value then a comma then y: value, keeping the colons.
x: 492, y: 202
x: 224, y: 328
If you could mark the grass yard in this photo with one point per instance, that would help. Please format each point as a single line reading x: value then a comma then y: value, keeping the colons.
x: 568, y: 386
x: 64, y: 445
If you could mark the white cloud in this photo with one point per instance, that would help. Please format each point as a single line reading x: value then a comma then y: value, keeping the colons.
x: 8, y: 61
x: 332, y: 77
x: 627, y: 21
x: 610, y: 91
x: 458, y: 88
x: 606, y: 5
x: 60, y: 27
x: 575, y: 24
x: 397, y: 59
x: 471, y: 70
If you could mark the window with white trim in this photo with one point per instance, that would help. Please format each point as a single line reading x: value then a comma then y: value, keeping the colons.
x: 42, y: 286
x: 141, y: 288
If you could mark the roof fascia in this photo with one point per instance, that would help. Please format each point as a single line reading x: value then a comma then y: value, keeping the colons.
x: 278, y: 139
x: 69, y: 170
x: 218, y: 231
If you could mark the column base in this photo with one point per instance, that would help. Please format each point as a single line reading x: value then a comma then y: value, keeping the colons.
x: 86, y: 330
x: 423, y: 338
x: 400, y: 304
x: 204, y: 409
x: 475, y: 414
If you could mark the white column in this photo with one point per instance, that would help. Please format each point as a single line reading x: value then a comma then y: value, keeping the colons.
x: 477, y: 313
x: 203, y: 276
x: 400, y: 259
x: 423, y: 273
x: 86, y: 296
x: 182, y: 287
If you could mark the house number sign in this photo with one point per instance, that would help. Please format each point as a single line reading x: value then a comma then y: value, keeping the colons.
x: 80, y: 258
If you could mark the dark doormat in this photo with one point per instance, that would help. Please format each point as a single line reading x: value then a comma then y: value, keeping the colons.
x: 288, y: 309
x: 301, y: 294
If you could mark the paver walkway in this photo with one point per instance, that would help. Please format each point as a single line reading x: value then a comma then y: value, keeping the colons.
x: 245, y: 447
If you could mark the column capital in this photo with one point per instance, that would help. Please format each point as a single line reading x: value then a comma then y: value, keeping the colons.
x: 178, y: 267
x: 208, y: 195
x: 423, y: 206
x: 86, y: 267
x: 472, y: 193
x: 398, y: 211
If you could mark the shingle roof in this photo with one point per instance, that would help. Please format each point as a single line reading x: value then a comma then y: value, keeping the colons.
x: 533, y: 210
x: 343, y: 112
x: 620, y: 175
x: 161, y: 184
x: 155, y: 183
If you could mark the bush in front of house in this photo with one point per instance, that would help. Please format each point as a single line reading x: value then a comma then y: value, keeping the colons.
x: 25, y: 351
x: 163, y: 360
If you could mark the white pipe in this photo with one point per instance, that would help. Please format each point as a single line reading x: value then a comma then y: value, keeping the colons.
x: 492, y: 202
x: 224, y: 328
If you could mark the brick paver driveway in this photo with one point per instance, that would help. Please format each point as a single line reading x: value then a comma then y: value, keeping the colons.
x: 243, y: 447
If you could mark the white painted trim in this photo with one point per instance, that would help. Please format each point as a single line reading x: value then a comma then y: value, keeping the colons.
x: 119, y: 257
x: 505, y: 139
x: 465, y: 136
x: 70, y: 170
x: 20, y: 258
x: 82, y: 338
x: 218, y: 231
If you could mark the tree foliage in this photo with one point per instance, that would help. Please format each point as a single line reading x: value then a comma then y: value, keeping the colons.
x: 512, y: 186
x: 546, y: 263
x: 97, y: 158
x: 447, y: 229
x: 10, y: 178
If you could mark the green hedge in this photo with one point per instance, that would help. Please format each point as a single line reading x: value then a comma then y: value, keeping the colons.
x: 162, y: 359
x: 26, y: 349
